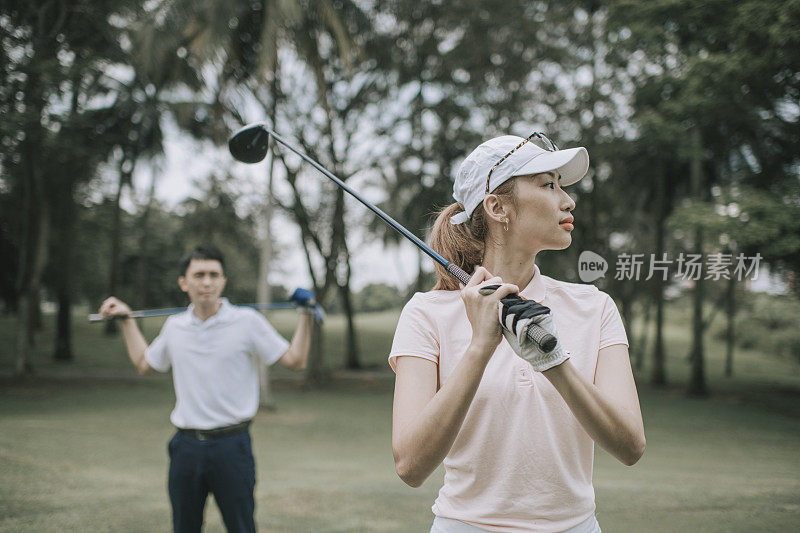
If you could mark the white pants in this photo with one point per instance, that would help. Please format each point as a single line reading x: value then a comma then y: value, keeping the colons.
x: 448, y: 525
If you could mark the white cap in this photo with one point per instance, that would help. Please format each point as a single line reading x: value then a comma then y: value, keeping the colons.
x: 470, y: 186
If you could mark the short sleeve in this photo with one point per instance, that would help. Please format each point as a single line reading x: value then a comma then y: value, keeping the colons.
x: 612, y: 330
x: 265, y: 341
x: 157, y: 354
x: 416, y: 334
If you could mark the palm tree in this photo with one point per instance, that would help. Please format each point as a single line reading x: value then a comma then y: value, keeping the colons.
x: 160, y: 64
x: 240, y: 40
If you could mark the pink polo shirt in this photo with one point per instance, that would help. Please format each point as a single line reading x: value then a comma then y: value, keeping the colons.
x: 522, y: 461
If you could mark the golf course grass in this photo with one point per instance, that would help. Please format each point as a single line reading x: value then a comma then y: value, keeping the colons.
x: 83, y: 445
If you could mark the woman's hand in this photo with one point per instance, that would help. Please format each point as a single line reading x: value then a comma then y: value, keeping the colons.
x: 482, y: 309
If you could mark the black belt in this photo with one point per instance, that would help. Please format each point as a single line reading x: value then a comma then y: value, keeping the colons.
x: 208, y: 434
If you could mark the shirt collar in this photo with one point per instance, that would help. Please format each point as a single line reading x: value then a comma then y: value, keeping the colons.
x: 221, y: 314
x: 535, y: 290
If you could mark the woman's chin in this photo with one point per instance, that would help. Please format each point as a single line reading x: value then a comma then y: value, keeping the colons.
x: 563, y: 243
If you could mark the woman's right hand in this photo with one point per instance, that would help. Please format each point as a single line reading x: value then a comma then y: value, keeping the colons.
x: 482, y: 309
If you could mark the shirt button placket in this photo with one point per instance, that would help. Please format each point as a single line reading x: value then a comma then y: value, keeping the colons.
x: 525, y: 376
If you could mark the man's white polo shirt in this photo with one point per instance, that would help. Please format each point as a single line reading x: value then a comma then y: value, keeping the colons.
x: 214, y: 364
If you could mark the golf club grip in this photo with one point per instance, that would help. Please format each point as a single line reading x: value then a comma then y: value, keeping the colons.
x: 542, y: 338
x: 97, y: 317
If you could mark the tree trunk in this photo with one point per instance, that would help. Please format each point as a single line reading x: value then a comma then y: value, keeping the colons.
x: 352, y: 358
x: 659, y: 373
x: 697, y: 380
x: 36, y: 308
x: 116, y: 245
x: 340, y: 244
x: 730, y: 337
x: 316, y: 355
x: 641, y: 347
x: 590, y: 230
x: 314, y: 374
x: 64, y: 247
x: 266, y: 398
x: 63, y: 347
x: 22, y: 364
x: 33, y: 254
x: 143, y: 274
x: 34, y: 257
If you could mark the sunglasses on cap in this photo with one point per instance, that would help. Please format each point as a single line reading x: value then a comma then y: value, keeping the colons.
x: 544, y: 143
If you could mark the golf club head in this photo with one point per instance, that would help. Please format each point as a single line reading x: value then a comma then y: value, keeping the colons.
x: 249, y: 144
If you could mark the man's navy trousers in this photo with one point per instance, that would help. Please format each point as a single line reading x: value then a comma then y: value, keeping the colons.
x: 223, y: 466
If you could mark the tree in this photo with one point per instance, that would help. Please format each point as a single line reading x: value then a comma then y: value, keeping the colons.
x: 378, y: 297
x: 704, y: 76
x: 143, y: 99
x: 215, y: 216
x: 241, y: 41
x: 54, y: 56
x: 744, y: 222
x: 456, y: 91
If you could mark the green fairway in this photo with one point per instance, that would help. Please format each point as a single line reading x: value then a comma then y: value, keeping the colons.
x: 89, y: 454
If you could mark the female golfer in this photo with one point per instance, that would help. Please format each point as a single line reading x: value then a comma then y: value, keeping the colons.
x: 514, y: 426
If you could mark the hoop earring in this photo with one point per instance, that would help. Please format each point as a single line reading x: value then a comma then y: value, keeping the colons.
x: 505, y: 223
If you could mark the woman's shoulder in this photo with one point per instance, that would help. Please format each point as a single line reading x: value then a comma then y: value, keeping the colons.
x: 434, y: 306
x: 577, y: 291
x: 434, y: 298
x: 431, y: 310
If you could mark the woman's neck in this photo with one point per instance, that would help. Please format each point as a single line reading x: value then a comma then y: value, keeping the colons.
x: 513, y: 266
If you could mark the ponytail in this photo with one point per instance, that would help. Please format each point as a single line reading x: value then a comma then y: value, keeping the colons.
x: 462, y: 244
x: 459, y: 244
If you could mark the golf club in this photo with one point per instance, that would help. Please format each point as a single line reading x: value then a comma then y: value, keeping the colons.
x: 250, y: 145
x: 96, y: 317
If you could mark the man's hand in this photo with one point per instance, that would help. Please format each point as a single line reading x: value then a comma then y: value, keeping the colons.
x: 517, y: 315
x: 113, y: 307
x: 134, y: 341
x: 307, y: 302
x: 303, y: 298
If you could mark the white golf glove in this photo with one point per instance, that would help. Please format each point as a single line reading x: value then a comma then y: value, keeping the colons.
x: 517, y: 315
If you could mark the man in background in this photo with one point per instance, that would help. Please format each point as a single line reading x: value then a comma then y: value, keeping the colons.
x: 213, y: 349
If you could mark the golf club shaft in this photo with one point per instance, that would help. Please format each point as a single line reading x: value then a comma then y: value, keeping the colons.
x: 145, y: 313
x: 386, y: 218
x: 535, y: 333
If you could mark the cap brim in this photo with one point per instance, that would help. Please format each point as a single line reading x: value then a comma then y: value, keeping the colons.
x: 571, y: 163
